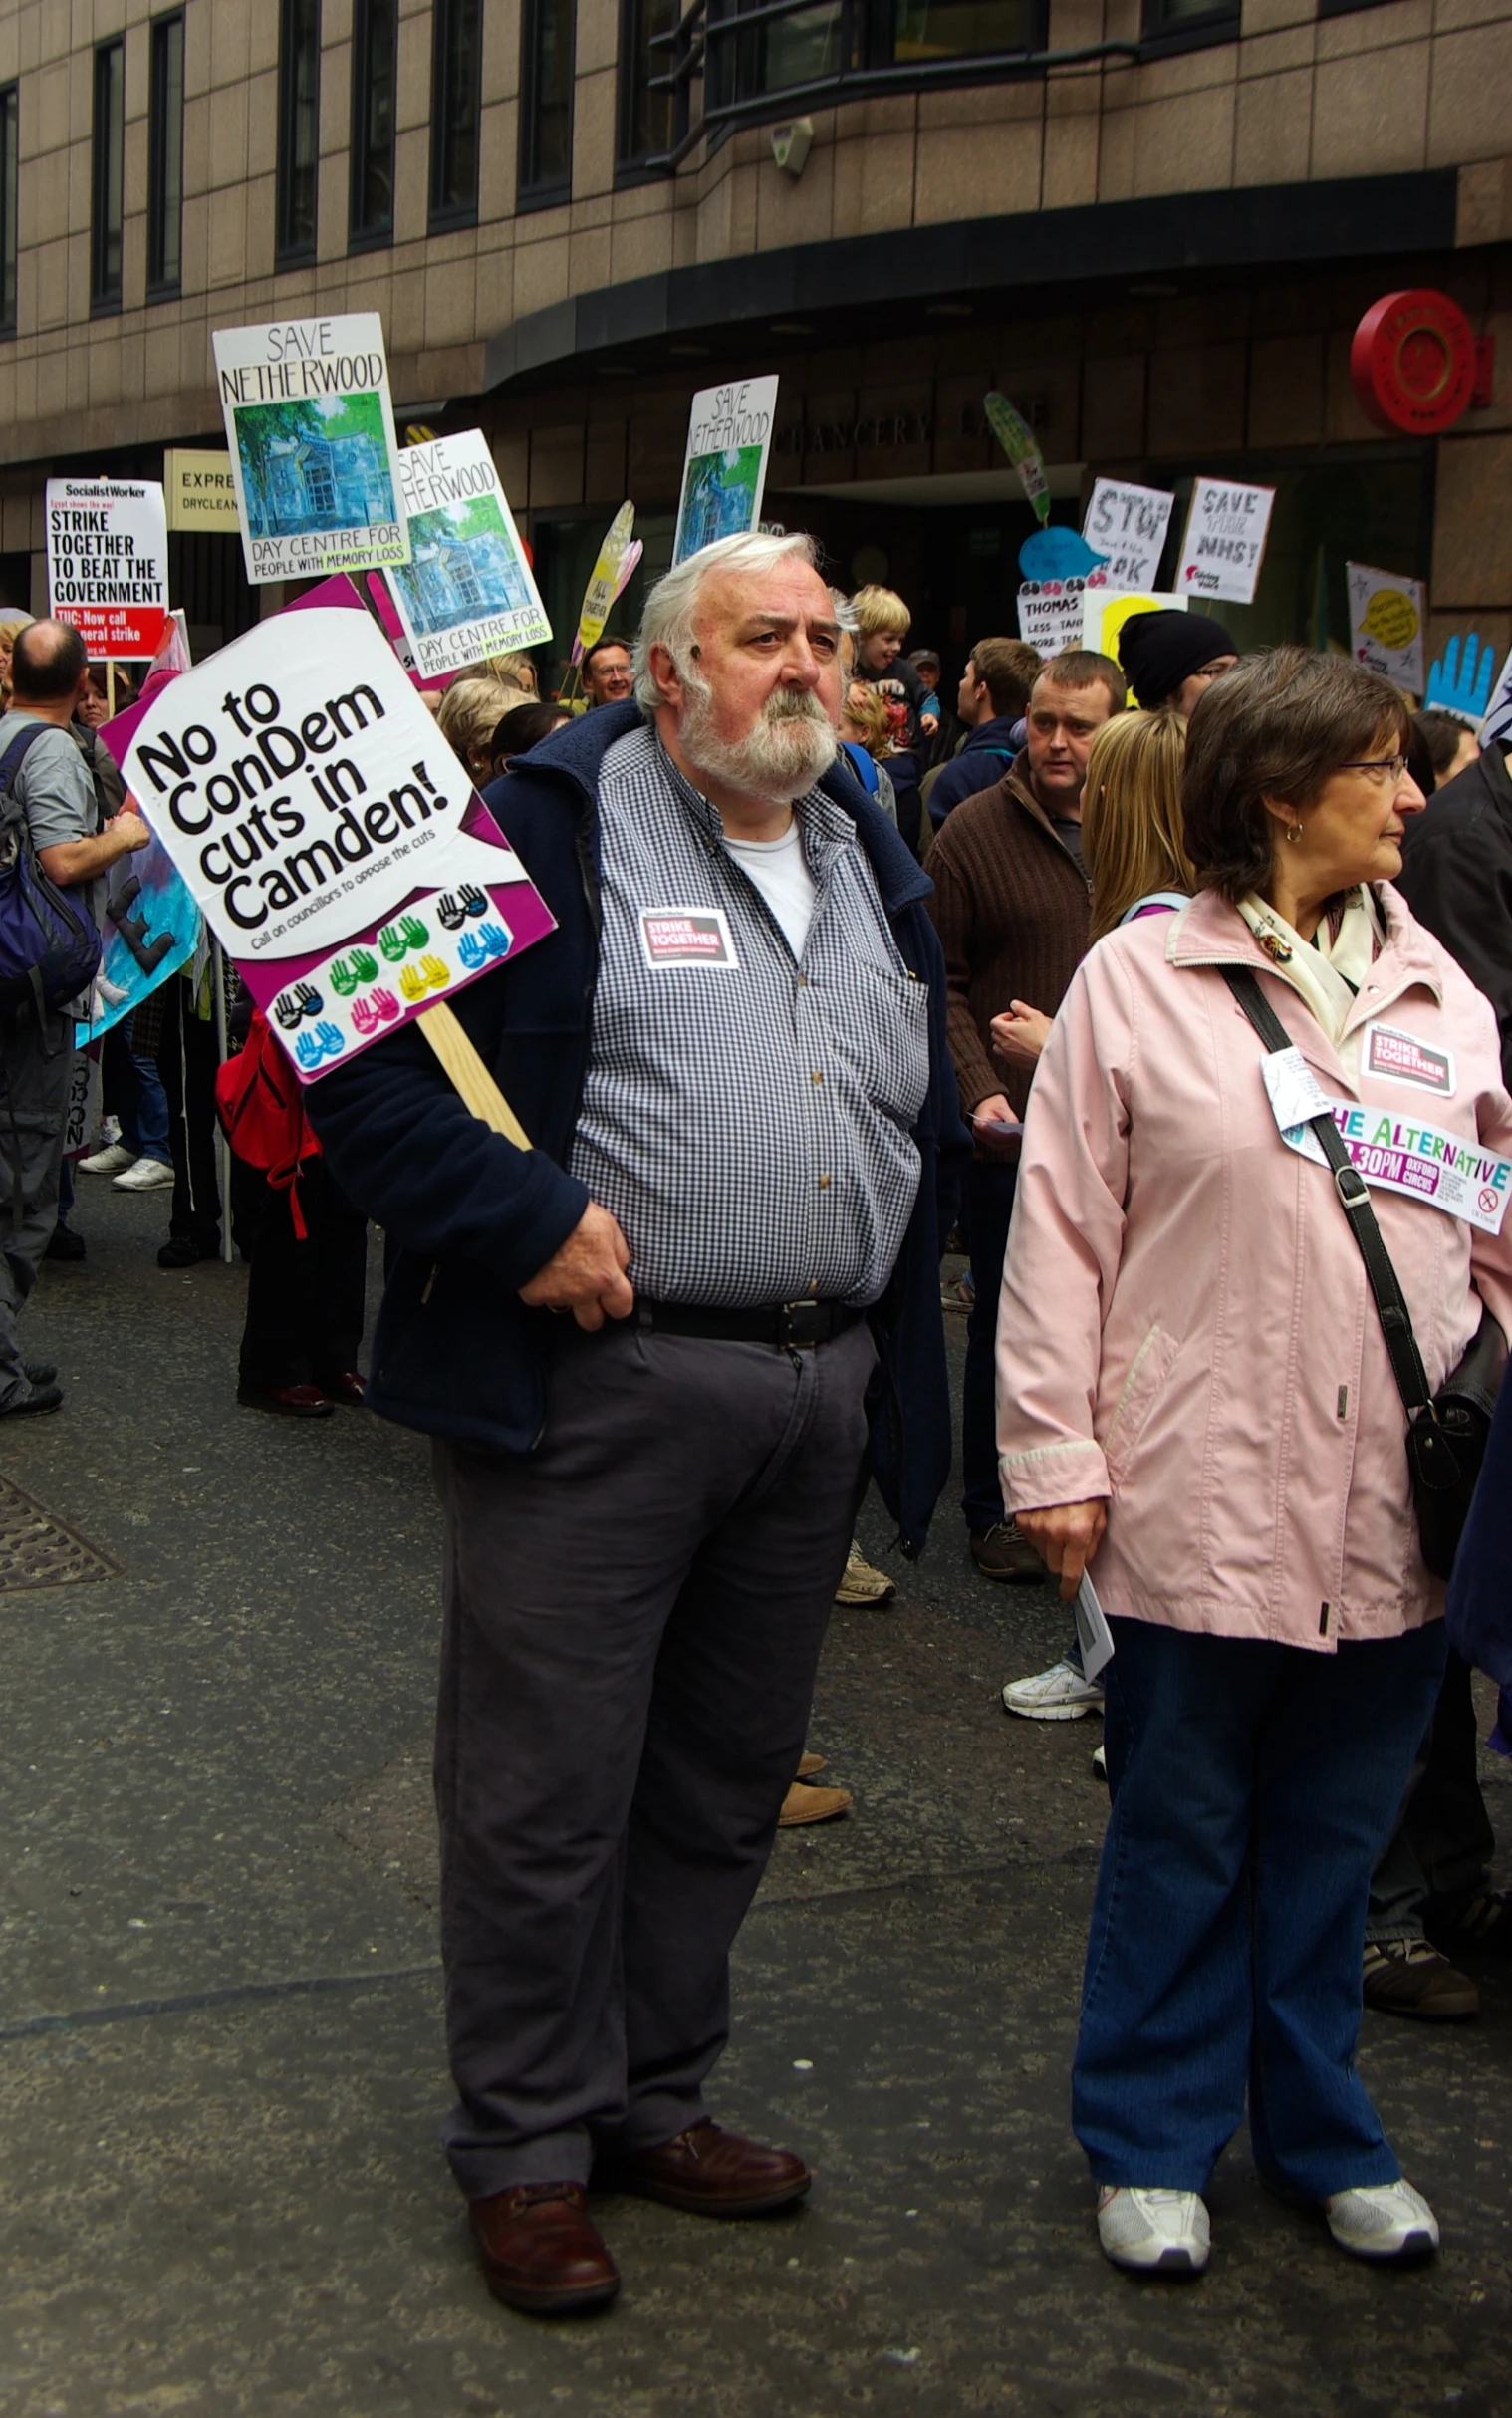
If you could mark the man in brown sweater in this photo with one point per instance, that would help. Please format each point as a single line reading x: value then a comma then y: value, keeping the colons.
x: 1011, y: 906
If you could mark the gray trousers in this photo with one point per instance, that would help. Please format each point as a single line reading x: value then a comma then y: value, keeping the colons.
x: 634, y: 1619
x: 33, y: 1106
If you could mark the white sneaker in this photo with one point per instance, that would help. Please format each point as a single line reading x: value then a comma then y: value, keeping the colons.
x: 109, y: 1161
x: 1163, y: 2229
x: 146, y: 1177
x: 1061, y: 1694
x: 1382, y: 2220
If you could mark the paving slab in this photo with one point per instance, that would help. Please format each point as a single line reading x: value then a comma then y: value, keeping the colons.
x: 221, y: 2062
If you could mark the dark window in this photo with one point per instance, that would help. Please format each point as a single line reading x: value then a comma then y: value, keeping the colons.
x: 810, y: 46
x: 456, y: 84
x: 10, y: 114
x: 1345, y: 8
x: 375, y: 69
x: 645, y: 116
x: 1178, y: 18
x: 299, y: 92
x: 165, y: 157
x: 546, y: 103
x: 109, y: 146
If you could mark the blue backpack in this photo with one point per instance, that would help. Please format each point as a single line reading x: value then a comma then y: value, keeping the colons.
x: 49, y: 941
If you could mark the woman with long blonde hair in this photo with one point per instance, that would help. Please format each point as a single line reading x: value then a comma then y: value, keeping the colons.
x: 1132, y: 836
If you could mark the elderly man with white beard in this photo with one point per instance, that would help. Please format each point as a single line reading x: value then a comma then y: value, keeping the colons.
x: 661, y: 1352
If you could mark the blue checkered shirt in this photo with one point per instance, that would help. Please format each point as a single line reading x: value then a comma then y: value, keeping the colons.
x: 746, y: 1118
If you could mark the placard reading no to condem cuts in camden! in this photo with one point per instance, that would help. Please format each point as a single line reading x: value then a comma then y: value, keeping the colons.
x: 310, y: 424
x: 330, y: 836
x: 108, y: 563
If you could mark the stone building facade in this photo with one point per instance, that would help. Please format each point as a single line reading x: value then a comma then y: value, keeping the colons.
x: 1153, y: 223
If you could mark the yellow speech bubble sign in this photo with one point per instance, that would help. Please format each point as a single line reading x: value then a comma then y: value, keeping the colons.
x: 1391, y: 618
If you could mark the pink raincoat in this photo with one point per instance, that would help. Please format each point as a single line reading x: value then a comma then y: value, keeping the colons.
x: 1186, y: 1326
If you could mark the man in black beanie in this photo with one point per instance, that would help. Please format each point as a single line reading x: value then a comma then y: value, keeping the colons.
x: 1169, y: 658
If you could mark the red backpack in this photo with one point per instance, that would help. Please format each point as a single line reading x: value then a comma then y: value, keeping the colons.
x: 261, y: 1104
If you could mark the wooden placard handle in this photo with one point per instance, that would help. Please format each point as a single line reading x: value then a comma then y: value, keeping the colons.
x: 469, y: 1075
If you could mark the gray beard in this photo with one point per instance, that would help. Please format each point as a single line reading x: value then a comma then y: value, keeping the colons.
x: 781, y: 757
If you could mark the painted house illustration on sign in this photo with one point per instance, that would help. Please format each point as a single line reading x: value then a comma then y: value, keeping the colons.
x: 319, y: 483
x: 462, y: 579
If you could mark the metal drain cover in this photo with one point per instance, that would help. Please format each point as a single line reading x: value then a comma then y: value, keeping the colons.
x: 37, y: 1550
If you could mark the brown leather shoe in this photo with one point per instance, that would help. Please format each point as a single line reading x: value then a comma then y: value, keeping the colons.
x: 804, y: 1804
x: 713, y: 2174
x: 541, y: 2251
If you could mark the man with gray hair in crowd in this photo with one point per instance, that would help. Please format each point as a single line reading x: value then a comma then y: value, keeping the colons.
x: 660, y: 1352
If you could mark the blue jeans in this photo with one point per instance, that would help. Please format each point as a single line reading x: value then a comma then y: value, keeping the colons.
x: 990, y: 1187
x: 1253, y: 1786
x: 136, y: 1096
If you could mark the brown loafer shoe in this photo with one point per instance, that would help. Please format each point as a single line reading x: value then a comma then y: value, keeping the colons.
x: 713, y: 2174
x: 541, y: 2251
x: 804, y: 1804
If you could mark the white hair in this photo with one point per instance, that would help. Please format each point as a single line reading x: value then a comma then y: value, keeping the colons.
x: 672, y: 606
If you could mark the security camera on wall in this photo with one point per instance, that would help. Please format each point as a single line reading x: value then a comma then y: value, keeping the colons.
x: 791, y: 146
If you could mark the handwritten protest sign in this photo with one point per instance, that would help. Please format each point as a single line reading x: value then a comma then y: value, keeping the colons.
x: 310, y: 424
x: 1103, y: 615
x: 326, y: 831
x: 724, y: 470
x: 1128, y: 526
x: 108, y: 563
x: 1049, y: 613
x: 1498, y: 722
x: 1387, y: 615
x: 467, y: 590
x: 1224, y: 544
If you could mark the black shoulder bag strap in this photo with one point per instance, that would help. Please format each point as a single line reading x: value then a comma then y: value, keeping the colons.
x: 1395, y: 1320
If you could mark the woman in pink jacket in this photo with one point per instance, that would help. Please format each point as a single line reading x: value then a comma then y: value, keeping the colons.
x: 1195, y: 1403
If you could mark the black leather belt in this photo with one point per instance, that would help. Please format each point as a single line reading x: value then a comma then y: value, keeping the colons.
x: 791, y: 1325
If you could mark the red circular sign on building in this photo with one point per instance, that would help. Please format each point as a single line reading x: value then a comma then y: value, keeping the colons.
x: 1413, y: 361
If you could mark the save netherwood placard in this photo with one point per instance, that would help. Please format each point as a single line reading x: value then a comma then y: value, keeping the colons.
x: 467, y: 590
x: 108, y: 563
x: 332, y: 839
x: 310, y: 424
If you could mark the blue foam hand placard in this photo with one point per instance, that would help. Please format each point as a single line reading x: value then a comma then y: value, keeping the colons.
x: 1052, y: 553
x: 1460, y: 682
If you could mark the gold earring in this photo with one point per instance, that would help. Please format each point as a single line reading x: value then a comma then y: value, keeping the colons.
x: 1294, y: 831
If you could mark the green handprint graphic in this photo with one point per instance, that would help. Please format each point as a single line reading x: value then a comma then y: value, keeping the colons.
x: 343, y: 979
x: 392, y: 943
x: 363, y: 964
x: 415, y: 935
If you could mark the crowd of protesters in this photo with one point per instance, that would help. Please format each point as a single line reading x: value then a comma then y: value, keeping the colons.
x: 1017, y: 975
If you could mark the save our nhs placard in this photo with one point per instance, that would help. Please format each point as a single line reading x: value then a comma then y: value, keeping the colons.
x: 724, y: 470
x: 467, y: 590
x: 1224, y: 544
x: 310, y: 425
x: 330, y: 836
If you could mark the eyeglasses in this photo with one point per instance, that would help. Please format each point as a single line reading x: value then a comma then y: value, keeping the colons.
x: 1393, y: 767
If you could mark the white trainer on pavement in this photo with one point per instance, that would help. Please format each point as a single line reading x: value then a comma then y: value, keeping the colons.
x: 111, y: 1161
x: 1061, y: 1694
x: 146, y: 1177
x: 1382, y: 2220
x: 1161, y: 2231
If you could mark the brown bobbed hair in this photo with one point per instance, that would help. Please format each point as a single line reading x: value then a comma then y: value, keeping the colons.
x: 1132, y: 836
x: 1277, y: 727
